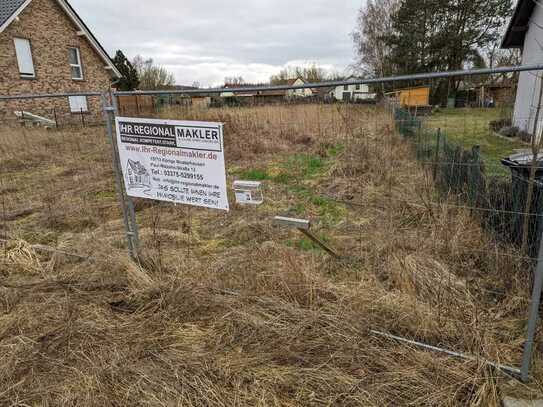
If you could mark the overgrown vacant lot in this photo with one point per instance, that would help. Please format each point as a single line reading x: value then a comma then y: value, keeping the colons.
x: 226, y: 309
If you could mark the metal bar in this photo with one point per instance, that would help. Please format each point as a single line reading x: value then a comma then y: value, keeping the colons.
x: 438, y: 143
x: 48, y: 95
x: 292, y: 222
x: 56, y: 119
x: 505, y: 368
x: 420, y: 76
x: 118, y: 178
x: 326, y: 248
x: 129, y: 201
x: 431, y: 75
x: 533, y: 316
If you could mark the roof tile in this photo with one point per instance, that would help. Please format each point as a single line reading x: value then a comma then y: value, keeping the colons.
x: 7, y: 8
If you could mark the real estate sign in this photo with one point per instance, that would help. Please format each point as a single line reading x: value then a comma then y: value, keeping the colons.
x: 173, y: 161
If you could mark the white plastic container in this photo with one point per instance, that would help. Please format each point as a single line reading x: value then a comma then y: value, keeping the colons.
x: 248, y: 192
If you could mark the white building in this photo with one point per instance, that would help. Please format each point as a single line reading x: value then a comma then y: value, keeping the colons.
x: 298, y: 93
x: 525, y: 31
x: 353, y: 93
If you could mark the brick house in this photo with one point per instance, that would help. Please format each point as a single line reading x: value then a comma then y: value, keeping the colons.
x: 45, y: 47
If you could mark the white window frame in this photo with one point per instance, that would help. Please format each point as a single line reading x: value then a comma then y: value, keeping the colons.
x: 78, y: 104
x: 78, y: 65
x: 23, y: 48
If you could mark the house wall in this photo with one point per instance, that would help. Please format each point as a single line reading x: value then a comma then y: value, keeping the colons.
x: 51, y: 33
x: 299, y: 92
x: 363, y: 93
x: 530, y: 82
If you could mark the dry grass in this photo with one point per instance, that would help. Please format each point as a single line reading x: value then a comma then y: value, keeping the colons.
x: 228, y: 310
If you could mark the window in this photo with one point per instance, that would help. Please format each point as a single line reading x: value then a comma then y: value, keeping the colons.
x: 75, y: 63
x: 78, y: 104
x: 357, y: 87
x: 24, y: 58
x: 345, y: 87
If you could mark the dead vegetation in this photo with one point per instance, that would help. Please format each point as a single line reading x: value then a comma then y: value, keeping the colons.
x: 229, y: 310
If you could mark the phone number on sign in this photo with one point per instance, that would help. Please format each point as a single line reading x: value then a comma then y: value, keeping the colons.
x: 185, y: 175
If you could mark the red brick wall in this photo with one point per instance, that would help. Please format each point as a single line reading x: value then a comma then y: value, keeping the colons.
x: 51, y: 33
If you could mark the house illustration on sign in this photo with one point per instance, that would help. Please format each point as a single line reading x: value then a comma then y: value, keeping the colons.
x: 137, y: 175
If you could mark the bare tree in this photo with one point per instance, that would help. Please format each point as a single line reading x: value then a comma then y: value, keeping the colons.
x: 234, y: 80
x: 152, y: 76
x: 373, y: 28
x: 312, y: 74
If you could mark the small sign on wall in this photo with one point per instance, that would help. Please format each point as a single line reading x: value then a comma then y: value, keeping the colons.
x: 173, y: 161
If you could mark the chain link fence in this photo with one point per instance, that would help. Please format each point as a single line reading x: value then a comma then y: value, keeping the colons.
x: 420, y: 194
x: 56, y: 178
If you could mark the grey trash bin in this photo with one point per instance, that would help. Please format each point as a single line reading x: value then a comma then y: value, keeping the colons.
x: 520, y: 165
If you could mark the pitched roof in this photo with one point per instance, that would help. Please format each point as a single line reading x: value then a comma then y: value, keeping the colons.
x: 10, y: 9
x: 519, y: 24
x: 291, y: 82
x: 271, y: 93
x: 323, y: 91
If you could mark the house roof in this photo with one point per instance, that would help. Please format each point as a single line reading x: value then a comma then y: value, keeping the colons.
x: 519, y: 24
x: 323, y: 91
x: 10, y: 9
x: 291, y: 82
x: 271, y: 93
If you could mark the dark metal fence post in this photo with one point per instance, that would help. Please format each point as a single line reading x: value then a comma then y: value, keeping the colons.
x: 128, y: 199
x: 438, y: 143
x: 131, y: 234
x: 55, y: 116
x: 533, y: 317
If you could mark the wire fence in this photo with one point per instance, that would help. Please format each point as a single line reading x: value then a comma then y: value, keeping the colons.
x: 497, y: 192
x: 412, y: 190
x: 53, y: 112
x: 57, y: 177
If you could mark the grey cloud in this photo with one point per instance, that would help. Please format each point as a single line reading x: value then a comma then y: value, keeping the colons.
x: 201, y: 40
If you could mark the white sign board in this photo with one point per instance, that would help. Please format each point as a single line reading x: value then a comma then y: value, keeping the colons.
x: 173, y: 161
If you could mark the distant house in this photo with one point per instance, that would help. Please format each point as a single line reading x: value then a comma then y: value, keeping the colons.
x: 265, y: 97
x: 324, y: 94
x: 525, y: 32
x: 241, y: 93
x: 298, y: 93
x: 353, y: 93
x: 499, y: 94
x: 45, y: 47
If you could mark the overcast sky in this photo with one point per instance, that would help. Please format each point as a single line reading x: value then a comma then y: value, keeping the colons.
x: 207, y: 40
